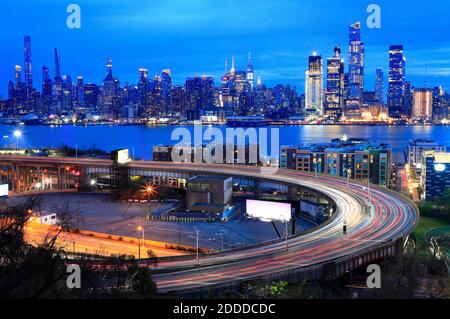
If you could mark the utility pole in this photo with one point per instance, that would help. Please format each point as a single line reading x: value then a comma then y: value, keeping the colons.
x: 197, y: 231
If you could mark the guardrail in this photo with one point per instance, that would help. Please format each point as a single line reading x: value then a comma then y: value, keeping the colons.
x: 330, y: 270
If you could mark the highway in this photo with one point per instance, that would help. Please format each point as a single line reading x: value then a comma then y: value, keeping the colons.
x: 381, y: 217
x: 36, y: 233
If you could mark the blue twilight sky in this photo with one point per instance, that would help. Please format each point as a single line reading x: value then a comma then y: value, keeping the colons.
x: 193, y: 37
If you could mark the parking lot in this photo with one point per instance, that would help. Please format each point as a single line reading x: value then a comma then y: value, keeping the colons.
x: 96, y: 213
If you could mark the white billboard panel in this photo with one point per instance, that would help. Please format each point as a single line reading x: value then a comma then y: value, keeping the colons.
x: 4, y: 190
x: 268, y: 211
x: 122, y: 156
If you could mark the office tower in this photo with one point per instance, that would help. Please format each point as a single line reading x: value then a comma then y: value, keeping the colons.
x: 396, y: 81
x: 46, y: 82
x: 422, y: 104
x: 18, y: 76
x: 439, y: 105
x: 178, y: 99
x: 28, y: 64
x: 166, y: 98
x: 91, y: 93
x: 67, y: 97
x: 314, y: 85
x: 199, y: 95
x: 408, y: 100
x: 57, y: 81
x: 109, y: 100
x: 143, y: 91
x: 250, y: 72
x: 355, y: 64
x: 379, y: 85
x: 155, y: 99
x: 334, y: 98
x: 80, y: 90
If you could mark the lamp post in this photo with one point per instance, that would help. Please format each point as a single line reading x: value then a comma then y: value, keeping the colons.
x: 141, y: 229
x: 17, y: 135
x: 149, y: 191
x: 196, y: 232
x: 349, y: 171
x: 369, y: 196
x: 286, y: 234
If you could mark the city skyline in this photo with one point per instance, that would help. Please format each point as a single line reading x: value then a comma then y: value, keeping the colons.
x: 281, y: 56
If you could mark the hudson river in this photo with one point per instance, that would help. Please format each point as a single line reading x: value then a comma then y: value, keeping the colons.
x: 142, y: 138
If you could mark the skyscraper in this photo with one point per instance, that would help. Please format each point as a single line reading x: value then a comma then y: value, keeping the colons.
x: 143, y: 88
x: 80, y: 90
x: 334, y: 98
x: 422, y: 104
x: 109, y: 99
x: 28, y: 64
x: 46, y: 82
x: 250, y: 72
x: 57, y: 81
x: 379, y: 85
x: 18, y: 76
x: 355, y: 63
x: 199, y: 95
x: 396, y: 93
x: 166, y: 97
x: 314, y: 85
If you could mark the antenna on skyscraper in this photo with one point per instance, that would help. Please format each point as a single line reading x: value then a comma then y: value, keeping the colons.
x: 226, y: 65
x: 425, y: 81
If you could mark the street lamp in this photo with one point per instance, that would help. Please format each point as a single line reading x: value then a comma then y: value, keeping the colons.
x: 349, y: 172
x: 17, y: 135
x: 196, y: 232
x: 141, y: 229
x: 149, y: 190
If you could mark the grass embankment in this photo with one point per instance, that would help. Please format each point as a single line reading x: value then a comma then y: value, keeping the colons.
x: 425, y: 224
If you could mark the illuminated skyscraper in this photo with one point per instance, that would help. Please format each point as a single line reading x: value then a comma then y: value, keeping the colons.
x: 250, y: 72
x: 166, y: 97
x: 334, y: 98
x: 18, y: 76
x: 314, y: 85
x: 422, y: 104
x: 80, y: 90
x: 379, y: 85
x: 199, y: 95
x: 143, y: 91
x: 109, y: 103
x: 396, y: 102
x: 57, y: 81
x: 46, y: 82
x: 355, y: 63
x: 28, y: 64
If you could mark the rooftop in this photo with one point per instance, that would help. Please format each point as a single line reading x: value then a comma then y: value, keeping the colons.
x: 208, y: 178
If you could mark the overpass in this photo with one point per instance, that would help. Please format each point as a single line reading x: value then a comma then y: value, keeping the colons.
x: 378, y: 222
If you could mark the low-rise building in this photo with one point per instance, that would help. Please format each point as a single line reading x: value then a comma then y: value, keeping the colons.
x: 211, y: 194
x: 356, y: 158
x: 417, y: 146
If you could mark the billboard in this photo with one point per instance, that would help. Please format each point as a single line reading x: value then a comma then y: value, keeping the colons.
x: 268, y: 211
x: 4, y: 190
x: 121, y: 156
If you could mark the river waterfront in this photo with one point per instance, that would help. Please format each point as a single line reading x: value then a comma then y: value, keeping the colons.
x: 141, y: 139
